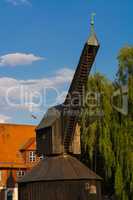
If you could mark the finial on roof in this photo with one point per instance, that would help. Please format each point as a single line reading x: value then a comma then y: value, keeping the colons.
x: 92, y: 22
x: 92, y: 38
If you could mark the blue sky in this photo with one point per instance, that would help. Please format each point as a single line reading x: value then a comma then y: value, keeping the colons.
x: 41, y: 42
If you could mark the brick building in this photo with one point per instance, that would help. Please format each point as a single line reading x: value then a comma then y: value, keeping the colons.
x: 17, y: 156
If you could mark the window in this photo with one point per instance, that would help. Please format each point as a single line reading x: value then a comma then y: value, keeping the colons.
x: 32, y: 156
x: 20, y: 173
x: 9, y: 195
x: 41, y: 157
x: 87, y: 186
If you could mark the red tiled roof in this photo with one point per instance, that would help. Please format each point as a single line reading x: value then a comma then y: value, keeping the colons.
x: 12, y: 137
x: 28, y: 144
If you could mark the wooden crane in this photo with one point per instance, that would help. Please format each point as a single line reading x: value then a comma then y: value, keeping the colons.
x: 60, y: 175
x: 56, y: 133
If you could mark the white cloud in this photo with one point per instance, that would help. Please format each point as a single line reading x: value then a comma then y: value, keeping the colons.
x: 62, y: 97
x: 64, y: 73
x: 4, y: 118
x: 14, y: 59
x: 29, y: 94
x: 19, y: 2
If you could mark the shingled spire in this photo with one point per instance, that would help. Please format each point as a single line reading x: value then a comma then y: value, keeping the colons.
x: 92, y: 40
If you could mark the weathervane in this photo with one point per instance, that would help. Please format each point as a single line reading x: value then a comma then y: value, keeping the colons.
x: 92, y: 22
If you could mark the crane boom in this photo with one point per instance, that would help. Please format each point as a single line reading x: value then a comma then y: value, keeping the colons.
x: 74, y: 99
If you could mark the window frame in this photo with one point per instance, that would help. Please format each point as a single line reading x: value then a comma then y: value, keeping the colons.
x: 32, y: 156
x: 20, y: 173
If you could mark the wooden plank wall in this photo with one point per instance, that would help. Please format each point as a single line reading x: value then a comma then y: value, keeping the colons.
x: 57, y: 190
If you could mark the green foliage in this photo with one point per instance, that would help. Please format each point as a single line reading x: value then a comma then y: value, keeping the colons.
x: 118, y: 181
x: 111, y: 133
x: 125, y: 59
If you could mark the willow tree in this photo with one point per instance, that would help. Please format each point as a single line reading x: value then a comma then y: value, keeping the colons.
x: 107, y: 133
x: 125, y: 77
